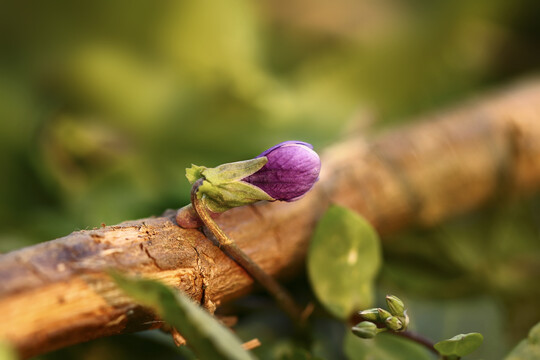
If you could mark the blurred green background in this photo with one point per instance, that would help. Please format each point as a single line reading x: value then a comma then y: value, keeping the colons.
x: 104, y: 104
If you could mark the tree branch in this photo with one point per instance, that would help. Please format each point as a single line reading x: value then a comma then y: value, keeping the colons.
x: 56, y: 293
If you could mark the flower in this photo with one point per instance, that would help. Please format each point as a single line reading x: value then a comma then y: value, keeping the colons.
x: 291, y: 171
x: 284, y: 172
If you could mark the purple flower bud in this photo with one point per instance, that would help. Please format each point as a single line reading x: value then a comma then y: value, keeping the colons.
x: 291, y: 171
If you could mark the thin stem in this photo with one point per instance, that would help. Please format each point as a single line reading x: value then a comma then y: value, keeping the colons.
x: 419, y: 339
x: 232, y: 250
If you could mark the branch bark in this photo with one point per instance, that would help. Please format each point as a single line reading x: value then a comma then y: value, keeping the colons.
x: 56, y: 293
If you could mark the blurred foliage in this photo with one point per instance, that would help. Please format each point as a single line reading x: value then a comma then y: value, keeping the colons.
x: 529, y: 348
x: 208, y: 338
x: 104, y: 104
x: 384, y: 347
x: 494, y: 252
x: 7, y: 352
x: 343, y: 260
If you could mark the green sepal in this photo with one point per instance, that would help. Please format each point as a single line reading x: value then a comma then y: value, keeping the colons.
x: 225, y: 196
x: 404, y: 320
x: 223, y: 188
x: 370, y: 314
x: 393, y: 323
x: 194, y: 173
x: 227, y: 172
x: 395, y: 305
x: 365, y: 330
x: 234, y: 171
x: 383, y: 314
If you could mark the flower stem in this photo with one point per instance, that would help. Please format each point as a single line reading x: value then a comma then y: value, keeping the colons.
x: 419, y: 339
x: 228, y: 246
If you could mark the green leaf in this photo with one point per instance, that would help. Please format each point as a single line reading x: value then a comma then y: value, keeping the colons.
x: 460, y: 345
x: 204, y: 334
x: 384, y: 347
x: 7, y: 352
x: 529, y: 348
x: 297, y: 353
x: 343, y: 259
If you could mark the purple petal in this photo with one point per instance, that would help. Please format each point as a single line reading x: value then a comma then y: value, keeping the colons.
x: 291, y: 171
x: 289, y: 142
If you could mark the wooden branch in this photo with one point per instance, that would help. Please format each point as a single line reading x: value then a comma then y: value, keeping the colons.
x: 56, y: 293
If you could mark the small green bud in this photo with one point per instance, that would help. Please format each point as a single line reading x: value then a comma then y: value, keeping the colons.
x: 393, y: 323
x: 365, y: 330
x: 395, y: 305
x: 370, y: 314
x: 383, y: 314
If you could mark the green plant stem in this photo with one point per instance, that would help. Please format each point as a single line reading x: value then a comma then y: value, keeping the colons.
x: 228, y: 246
x: 419, y: 339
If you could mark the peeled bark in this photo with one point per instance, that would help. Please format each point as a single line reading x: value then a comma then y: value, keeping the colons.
x: 57, y: 293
